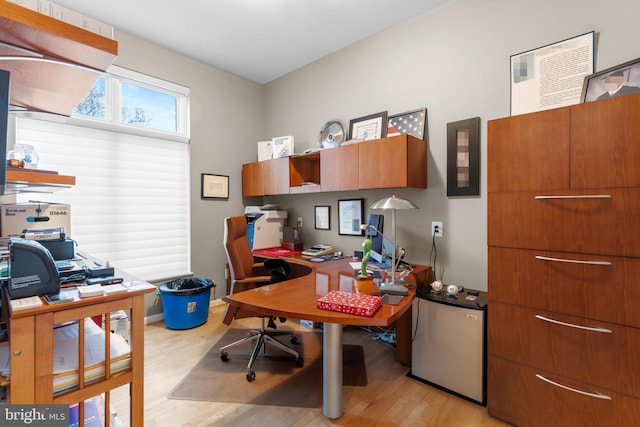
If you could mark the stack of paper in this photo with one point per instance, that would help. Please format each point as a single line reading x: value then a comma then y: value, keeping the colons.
x: 90, y: 291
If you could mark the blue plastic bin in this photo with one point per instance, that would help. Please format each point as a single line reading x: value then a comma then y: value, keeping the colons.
x: 185, y: 302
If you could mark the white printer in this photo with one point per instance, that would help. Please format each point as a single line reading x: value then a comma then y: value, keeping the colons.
x: 264, y: 227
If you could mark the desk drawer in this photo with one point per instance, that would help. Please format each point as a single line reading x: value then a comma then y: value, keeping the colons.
x: 605, y: 221
x: 593, y: 286
x: 518, y: 396
x: 598, y: 353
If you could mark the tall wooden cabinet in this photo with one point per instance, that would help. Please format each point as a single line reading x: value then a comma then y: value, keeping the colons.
x: 564, y: 263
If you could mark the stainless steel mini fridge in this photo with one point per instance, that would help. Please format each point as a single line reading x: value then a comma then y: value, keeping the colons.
x: 448, y: 348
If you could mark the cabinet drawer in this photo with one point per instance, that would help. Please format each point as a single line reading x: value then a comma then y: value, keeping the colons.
x: 602, y: 222
x: 602, y: 354
x: 518, y: 396
x: 593, y: 286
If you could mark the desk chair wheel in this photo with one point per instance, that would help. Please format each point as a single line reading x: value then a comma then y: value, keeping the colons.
x: 251, y: 376
x: 299, y: 362
x: 224, y: 356
x: 293, y: 339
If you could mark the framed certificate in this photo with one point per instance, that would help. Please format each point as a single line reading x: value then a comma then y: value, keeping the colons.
x: 369, y: 127
x: 214, y: 186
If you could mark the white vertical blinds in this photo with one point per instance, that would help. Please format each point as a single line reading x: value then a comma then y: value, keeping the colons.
x: 130, y: 204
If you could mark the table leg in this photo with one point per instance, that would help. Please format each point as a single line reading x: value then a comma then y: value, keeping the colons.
x: 332, y: 370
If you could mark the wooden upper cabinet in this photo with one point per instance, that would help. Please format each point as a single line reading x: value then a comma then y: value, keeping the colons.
x: 397, y: 161
x: 605, y: 143
x: 529, y: 152
x: 339, y: 168
x: 275, y: 176
x: 590, y: 145
x: 252, y: 182
x: 51, y: 83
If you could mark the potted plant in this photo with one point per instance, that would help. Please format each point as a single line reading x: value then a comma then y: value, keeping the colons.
x: 363, y: 281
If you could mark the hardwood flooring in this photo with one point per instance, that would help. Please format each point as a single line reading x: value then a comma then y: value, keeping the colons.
x: 390, y: 398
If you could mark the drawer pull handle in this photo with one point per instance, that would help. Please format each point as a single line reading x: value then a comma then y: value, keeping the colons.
x: 571, y: 325
x: 574, y: 261
x: 596, y: 395
x: 586, y: 196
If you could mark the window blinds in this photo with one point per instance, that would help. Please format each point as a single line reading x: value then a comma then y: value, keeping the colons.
x: 130, y: 204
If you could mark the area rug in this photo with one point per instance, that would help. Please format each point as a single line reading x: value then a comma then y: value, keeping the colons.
x: 278, y: 382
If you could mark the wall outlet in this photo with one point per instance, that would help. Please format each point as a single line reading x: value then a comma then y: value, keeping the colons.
x: 436, y: 228
x: 299, y: 224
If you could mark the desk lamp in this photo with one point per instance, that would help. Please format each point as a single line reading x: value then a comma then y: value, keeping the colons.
x: 394, y: 203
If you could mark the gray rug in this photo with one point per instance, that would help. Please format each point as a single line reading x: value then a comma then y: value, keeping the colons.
x: 278, y: 382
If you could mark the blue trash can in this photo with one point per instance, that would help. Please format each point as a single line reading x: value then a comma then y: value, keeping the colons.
x: 185, y: 302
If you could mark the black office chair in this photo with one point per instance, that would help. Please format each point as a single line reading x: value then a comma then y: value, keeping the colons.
x: 247, y: 274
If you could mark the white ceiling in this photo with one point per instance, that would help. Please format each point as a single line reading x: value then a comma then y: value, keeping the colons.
x: 260, y: 40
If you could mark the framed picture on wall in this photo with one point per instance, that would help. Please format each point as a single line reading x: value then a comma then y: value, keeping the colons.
x: 323, y: 217
x: 214, y: 186
x: 463, y: 158
x: 350, y: 216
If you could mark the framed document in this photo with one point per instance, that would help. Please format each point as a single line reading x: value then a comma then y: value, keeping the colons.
x: 350, y: 214
x: 551, y: 76
x: 323, y: 217
x: 373, y: 126
x: 214, y: 186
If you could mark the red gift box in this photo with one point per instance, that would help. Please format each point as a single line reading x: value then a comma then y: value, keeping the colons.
x: 347, y: 302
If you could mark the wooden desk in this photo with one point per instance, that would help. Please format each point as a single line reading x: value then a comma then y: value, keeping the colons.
x: 296, y: 298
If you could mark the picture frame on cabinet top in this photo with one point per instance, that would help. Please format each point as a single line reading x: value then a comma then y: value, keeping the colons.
x: 412, y: 123
x: 623, y: 79
x: 373, y: 126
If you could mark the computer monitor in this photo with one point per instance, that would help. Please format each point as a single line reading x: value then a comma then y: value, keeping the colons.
x: 380, y: 247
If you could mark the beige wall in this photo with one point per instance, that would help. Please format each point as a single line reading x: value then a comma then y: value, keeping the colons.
x: 453, y: 60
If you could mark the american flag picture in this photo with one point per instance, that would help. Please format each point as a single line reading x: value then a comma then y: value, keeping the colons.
x: 409, y: 123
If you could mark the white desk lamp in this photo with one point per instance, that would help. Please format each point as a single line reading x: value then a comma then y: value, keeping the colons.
x: 394, y: 203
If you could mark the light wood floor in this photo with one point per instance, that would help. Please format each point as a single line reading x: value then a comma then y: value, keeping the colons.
x: 390, y: 398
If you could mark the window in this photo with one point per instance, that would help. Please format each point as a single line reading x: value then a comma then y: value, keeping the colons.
x: 130, y: 204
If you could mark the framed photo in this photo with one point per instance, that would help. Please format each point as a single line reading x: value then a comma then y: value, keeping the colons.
x: 623, y: 79
x: 350, y: 216
x: 214, y: 186
x: 323, y: 217
x: 369, y: 127
x: 463, y: 158
x: 412, y: 123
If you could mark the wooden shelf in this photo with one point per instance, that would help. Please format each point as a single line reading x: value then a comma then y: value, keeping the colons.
x: 29, y: 180
x: 38, y: 84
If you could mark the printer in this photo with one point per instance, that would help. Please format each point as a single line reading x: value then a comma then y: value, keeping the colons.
x: 31, y: 270
x: 264, y: 227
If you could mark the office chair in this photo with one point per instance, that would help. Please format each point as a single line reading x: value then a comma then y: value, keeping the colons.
x: 247, y: 274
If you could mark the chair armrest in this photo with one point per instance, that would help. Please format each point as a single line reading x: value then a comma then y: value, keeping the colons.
x: 249, y: 283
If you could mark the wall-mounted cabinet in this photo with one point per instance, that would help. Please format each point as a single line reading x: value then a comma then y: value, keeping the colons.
x: 43, y: 54
x: 398, y: 161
